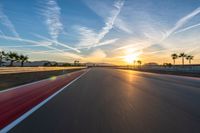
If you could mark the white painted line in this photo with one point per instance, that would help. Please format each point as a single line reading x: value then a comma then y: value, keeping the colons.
x: 13, y: 88
x: 25, y: 115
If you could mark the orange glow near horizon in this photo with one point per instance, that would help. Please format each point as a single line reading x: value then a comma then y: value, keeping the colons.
x: 130, y: 58
x: 131, y: 55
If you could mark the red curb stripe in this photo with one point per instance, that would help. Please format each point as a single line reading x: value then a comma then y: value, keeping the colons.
x: 15, y: 103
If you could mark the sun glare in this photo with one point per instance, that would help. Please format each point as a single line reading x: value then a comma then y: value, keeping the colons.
x: 130, y: 58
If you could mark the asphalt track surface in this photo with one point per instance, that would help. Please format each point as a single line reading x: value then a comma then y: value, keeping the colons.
x: 120, y: 101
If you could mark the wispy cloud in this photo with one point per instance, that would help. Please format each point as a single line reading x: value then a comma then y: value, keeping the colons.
x: 122, y: 25
x: 38, y: 43
x: 21, y: 40
x: 110, y: 41
x: 97, y: 55
x: 59, y: 43
x: 107, y: 42
x: 46, y: 44
x: 182, y: 22
x: 4, y: 20
x: 187, y: 28
x: 89, y: 38
x: 109, y: 23
x: 52, y: 13
x: 1, y: 32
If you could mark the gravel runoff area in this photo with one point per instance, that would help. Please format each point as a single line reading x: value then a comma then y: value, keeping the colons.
x: 9, y: 80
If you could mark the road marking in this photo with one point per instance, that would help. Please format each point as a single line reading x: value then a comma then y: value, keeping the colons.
x: 28, y: 113
x: 35, y: 82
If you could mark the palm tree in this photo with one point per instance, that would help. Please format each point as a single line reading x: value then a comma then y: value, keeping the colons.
x: 2, y: 56
x: 22, y: 59
x: 76, y: 63
x: 182, y: 55
x: 12, y: 57
x: 174, y: 57
x: 139, y: 62
x: 189, y: 57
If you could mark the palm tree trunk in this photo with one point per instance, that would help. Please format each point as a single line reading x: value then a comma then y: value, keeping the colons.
x: 174, y: 62
x: 11, y: 63
x: 182, y: 60
x: 0, y: 62
x: 22, y: 64
x: 190, y: 61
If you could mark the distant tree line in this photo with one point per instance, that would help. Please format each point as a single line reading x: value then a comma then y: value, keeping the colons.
x: 51, y: 64
x: 139, y: 62
x: 183, y: 56
x: 12, y: 57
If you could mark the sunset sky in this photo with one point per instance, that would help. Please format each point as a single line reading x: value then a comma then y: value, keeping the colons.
x: 101, y: 30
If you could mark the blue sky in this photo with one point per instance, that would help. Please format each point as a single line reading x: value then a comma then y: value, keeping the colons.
x: 100, y: 30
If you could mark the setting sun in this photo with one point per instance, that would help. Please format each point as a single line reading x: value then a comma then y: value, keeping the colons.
x: 130, y: 58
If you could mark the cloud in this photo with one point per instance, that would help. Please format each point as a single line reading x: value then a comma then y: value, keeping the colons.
x: 20, y: 40
x: 124, y: 47
x: 109, y: 23
x: 1, y: 33
x: 120, y: 24
x: 96, y: 56
x: 154, y: 48
x: 130, y: 43
x: 110, y: 41
x: 107, y: 42
x: 89, y: 38
x: 59, y: 43
x: 52, y: 13
x: 182, y: 22
x: 187, y: 28
x: 47, y: 44
x: 108, y: 11
x: 4, y: 20
x: 38, y: 43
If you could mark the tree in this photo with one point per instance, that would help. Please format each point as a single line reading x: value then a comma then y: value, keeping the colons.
x: 2, y: 56
x: 22, y: 59
x: 47, y: 64
x: 167, y: 64
x: 182, y: 55
x: 55, y: 64
x: 12, y: 57
x: 174, y: 57
x: 76, y: 63
x: 139, y: 62
x: 189, y: 57
x: 67, y: 64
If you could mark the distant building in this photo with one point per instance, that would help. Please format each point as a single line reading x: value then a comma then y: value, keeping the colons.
x: 151, y: 64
